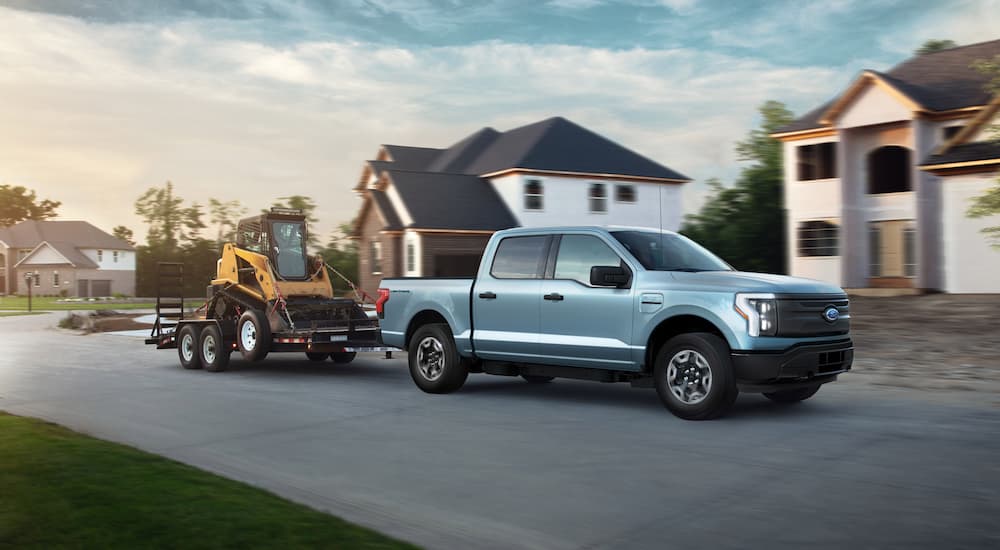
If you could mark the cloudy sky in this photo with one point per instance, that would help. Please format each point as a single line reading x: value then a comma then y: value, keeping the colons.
x: 257, y: 99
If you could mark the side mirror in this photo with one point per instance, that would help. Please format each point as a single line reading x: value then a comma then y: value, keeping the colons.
x: 608, y: 275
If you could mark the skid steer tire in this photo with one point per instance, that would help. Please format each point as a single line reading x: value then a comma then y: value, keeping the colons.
x: 253, y: 335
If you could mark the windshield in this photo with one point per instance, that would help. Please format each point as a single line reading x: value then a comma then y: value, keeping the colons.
x: 289, y: 248
x: 669, y: 252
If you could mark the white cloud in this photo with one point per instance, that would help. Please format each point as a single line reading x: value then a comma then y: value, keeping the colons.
x: 100, y: 112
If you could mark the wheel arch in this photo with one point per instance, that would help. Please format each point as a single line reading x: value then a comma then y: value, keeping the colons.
x: 424, y: 317
x: 683, y: 322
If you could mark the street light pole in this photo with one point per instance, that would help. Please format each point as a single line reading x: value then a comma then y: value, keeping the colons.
x: 27, y: 281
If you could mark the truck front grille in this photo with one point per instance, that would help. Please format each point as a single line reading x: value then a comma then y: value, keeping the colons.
x: 802, y: 315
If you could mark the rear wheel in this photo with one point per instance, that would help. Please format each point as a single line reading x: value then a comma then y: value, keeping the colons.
x: 537, y: 379
x: 435, y: 365
x: 253, y: 335
x: 187, y: 347
x: 212, y: 350
x: 694, y: 376
x: 793, y: 396
x: 343, y: 357
x: 316, y: 356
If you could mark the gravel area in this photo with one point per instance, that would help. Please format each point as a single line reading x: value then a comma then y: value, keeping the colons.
x: 936, y: 341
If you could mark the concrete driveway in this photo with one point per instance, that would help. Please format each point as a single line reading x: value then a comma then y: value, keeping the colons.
x: 505, y: 464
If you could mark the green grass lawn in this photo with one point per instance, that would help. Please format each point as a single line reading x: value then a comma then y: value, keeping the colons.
x: 49, y: 303
x: 60, y: 489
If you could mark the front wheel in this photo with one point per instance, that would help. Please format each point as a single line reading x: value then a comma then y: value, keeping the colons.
x: 793, y: 396
x: 253, y: 335
x: 435, y: 365
x: 694, y: 376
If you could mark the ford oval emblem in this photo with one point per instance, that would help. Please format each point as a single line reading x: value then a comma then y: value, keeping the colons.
x: 831, y: 314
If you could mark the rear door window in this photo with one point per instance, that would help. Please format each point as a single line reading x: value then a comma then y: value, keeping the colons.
x: 520, y: 258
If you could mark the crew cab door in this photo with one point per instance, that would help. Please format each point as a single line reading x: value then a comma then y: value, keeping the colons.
x: 580, y: 324
x: 505, y: 300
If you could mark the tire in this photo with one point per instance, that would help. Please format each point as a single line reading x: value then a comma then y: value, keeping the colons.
x: 253, y: 335
x: 537, y: 379
x: 435, y: 365
x: 317, y: 356
x: 343, y: 357
x: 212, y: 349
x: 705, y: 358
x: 187, y: 347
x: 793, y: 396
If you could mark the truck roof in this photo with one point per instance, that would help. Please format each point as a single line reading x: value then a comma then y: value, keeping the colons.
x: 569, y: 228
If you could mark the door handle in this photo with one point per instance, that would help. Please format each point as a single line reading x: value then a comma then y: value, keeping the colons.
x: 487, y: 296
x: 555, y: 297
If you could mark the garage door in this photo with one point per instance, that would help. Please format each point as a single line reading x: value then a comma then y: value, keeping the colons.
x: 100, y: 288
x: 456, y: 266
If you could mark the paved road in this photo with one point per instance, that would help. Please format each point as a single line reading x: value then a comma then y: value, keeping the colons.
x: 505, y: 464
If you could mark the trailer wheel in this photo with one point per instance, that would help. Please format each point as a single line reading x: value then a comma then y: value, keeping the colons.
x: 187, y: 347
x: 213, y: 352
x: 317, y: 356
x: 253, y: 335
x: 435, y: 365
x: 343, y: 357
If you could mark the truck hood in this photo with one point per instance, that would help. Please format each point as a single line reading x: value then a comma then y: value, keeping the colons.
x: 741, y: 281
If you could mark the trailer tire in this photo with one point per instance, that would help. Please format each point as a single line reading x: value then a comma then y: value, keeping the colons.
x: 435, y: 365
x: 343, y: 357
x: 187, y: 347
x: 253, y: 335
x: 212, y: 350
x: 317, y: 356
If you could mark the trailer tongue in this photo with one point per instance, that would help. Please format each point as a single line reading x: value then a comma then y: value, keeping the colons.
x: 268, y: 296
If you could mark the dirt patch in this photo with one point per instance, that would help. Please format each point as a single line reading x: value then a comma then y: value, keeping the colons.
x: 932, y: 341
x: 104, y: 321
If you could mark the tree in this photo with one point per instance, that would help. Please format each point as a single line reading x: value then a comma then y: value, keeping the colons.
x: 988, y: 204
x: 341, y: 253
x: 933, y: 45
x: 226, y: 216
x: 18, y: 203
x: 162, y: 211
x: 306, y: 205
x: 124, y: 234
x: 745, y: 223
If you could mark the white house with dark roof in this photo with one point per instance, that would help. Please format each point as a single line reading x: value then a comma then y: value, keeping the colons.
x: 71, y: 258
x: 878, y: 180
x: 430, y: 212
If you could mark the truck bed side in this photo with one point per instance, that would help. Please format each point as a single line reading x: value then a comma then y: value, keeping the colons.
x: 412, y: 297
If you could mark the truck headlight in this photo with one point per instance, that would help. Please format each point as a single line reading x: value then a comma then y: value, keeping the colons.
x: 760, y: 311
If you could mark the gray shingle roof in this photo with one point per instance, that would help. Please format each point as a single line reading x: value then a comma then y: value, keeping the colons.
x: 71, y: 253
x: 938, y: 81
x: 978, y: 150
x: 451, y: 201
x: 459, y: 157
x: 411, y: 158
x: 29, y: 233
x: 384, y: 205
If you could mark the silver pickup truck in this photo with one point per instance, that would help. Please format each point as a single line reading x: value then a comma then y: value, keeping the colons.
x: 648, y: 307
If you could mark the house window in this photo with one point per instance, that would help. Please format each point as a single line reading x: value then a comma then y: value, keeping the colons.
x: 874, y: 251
x: 889, y: 170
x: 817, y: 162
x: 625, y: 193
x: 817, y: 238
x: 114, y: 256
x: 55, y: 278
x: 598, y: 198
x: 376, y: 257
x: 534, y: 195
x: 950, y: 132
x: 909, y: 252
x: 37, y: 278
x: 411, y: 257
x: 100, y: 255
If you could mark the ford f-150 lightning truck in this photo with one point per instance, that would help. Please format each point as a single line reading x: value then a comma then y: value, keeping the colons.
x: 635, y: 305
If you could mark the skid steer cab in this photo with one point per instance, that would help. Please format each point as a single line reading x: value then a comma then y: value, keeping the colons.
x: 268, y: 295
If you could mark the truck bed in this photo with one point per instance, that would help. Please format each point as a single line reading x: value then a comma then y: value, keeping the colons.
x: 409, y: 296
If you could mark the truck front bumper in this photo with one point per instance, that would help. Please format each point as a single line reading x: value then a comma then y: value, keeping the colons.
x: 800, y: 365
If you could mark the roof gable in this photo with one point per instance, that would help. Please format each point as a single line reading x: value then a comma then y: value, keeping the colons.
x: 66, y: 252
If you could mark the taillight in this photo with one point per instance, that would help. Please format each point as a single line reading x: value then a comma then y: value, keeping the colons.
x: 383, y: 297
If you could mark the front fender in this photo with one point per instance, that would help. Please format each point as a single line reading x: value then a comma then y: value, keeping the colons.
x: 701, y: 311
